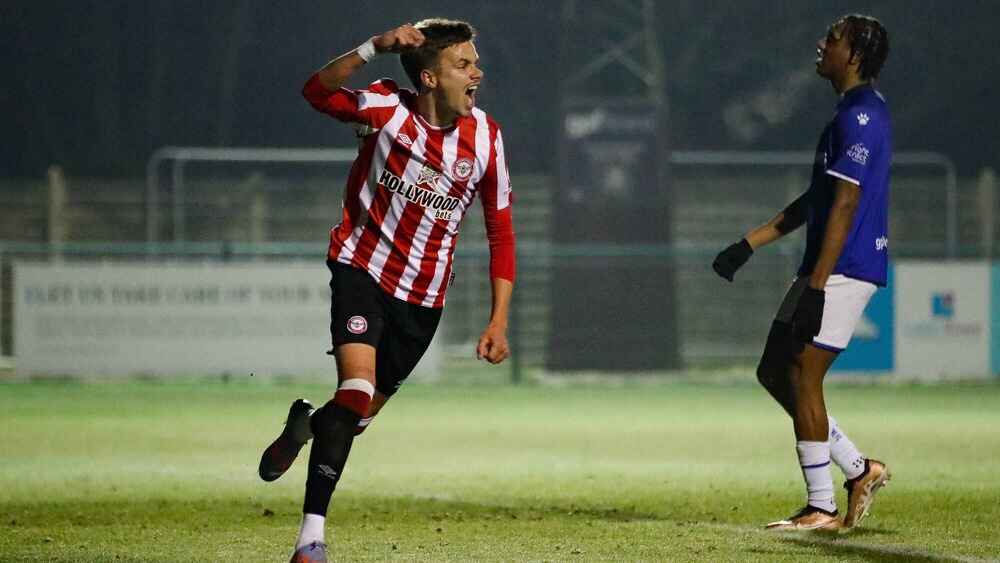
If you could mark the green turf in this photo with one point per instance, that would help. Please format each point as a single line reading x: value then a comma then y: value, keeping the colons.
x: 151, y: 471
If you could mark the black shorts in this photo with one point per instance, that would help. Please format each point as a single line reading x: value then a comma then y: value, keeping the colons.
x: 360, y: 312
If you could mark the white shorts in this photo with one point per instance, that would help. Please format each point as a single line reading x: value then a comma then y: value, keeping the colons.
x: 846, y: 299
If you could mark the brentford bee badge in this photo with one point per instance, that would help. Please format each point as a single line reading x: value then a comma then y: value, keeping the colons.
x: 357, y: 324
x: 462, y: 168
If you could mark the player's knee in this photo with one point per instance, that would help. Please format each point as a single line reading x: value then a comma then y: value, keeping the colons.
x: 355, y: 394
x: 767, y: 374
x: 348, y: 406
x: 376, y: 404
x: 780, y: 354
x: 772, y: 369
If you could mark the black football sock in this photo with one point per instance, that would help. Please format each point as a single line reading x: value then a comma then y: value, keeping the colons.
x: 333, y: 429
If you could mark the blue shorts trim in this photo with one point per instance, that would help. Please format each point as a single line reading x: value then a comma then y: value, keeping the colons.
x: 833, y: 349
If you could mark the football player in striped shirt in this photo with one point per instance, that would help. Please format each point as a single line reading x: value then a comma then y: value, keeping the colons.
x: 846, y: 212
x: 427, y: 154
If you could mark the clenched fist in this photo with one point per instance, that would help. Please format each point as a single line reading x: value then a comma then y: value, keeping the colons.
x: 397, y: 40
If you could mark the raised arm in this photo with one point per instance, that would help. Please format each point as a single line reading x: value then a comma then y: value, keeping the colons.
x: 336, y: 72
x: 371, y: 107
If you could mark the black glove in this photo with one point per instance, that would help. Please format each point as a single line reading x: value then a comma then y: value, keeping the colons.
x: 808, y: 315
x: 730, y: 259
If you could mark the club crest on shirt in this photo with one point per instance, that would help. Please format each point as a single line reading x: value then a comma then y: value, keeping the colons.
x: 858, y: 153
x: 462, y: 169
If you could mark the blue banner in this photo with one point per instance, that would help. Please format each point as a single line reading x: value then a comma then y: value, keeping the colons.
x: 872, y: 349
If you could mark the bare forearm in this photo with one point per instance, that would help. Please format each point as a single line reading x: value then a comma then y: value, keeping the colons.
x: 790, y: 218
x: 502, y: 291
x: 336, y: 72
x: 765, y: 234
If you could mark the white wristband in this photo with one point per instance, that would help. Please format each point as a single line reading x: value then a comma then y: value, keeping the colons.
x: 366, y: 50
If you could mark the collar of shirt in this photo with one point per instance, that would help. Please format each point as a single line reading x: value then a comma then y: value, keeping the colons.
x: 849, y: 96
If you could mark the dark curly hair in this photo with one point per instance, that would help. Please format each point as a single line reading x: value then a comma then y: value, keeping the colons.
x: 869, y: 41
x: 439, y: 34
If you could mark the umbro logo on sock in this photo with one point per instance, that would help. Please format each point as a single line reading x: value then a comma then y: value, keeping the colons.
x: 326, y: 471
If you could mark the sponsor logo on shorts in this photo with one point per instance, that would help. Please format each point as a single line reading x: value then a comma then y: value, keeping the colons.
x: 357, y: 325
x: 881, y: 243
x: 462, y: 168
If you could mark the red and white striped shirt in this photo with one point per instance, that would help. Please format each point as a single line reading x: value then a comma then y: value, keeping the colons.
x: 410, y: 187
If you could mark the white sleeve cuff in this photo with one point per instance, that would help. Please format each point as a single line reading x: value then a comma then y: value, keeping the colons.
x: 366, y: 50
x: 843, y: 177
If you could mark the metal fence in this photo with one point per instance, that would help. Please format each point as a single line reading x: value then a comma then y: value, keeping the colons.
x: 257, y: 210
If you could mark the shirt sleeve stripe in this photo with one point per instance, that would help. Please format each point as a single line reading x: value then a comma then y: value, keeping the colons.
x: 367, y: 100
x: 503, y: 180
x: 844, y: 177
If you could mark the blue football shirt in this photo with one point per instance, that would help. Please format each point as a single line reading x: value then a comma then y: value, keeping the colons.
x: 855, y: 146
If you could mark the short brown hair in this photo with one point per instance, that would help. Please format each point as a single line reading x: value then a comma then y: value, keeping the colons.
x: 439, y: 34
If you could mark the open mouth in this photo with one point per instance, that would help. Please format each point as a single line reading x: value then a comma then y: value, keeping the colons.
x: 470, y: 94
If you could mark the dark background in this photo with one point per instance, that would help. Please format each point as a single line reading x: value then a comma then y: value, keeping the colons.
x: 97, y: 86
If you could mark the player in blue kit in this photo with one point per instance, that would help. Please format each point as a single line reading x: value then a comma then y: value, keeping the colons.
x: 845, y: 210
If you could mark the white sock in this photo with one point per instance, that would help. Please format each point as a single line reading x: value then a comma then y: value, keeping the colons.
x: 814, y: 458
x: 844, y: 453
x: 311, y: 530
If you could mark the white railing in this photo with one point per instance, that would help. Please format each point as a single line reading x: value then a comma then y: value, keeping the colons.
x: 797, y: 158
x: 180, y: 156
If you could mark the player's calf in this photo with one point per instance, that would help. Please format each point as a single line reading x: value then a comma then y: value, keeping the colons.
x: 333, y: 428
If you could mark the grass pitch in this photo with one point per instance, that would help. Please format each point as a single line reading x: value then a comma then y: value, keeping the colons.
x: 151, y: 471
